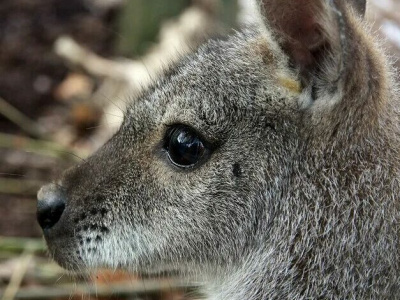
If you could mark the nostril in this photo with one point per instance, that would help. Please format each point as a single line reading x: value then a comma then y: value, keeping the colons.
x: 50, y: 206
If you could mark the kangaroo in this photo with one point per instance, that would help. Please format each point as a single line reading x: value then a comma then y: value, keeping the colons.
x: 265, y: 165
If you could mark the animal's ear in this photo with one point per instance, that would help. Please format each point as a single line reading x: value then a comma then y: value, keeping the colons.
x: 310, y: 31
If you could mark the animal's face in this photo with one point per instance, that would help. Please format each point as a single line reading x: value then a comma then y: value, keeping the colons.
x: 189, y: 178
x: 265, y: 147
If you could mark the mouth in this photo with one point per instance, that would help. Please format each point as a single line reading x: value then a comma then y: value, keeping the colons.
x: 76, y: 249
x: 74, y: 238
x: 65, y: 253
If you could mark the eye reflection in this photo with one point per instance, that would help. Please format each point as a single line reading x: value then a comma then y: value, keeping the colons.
x: 185, y: 148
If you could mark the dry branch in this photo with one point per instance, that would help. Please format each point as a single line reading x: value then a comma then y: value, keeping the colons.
x: 136, y: 288
x: 19, y: 273
x: 14, y: 244
x: 18, y: 118
x: 125, y: 78
x: 38, y: 147
x: 19, y: 186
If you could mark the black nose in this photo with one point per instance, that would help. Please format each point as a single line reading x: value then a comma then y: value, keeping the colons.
x: 50, y: 206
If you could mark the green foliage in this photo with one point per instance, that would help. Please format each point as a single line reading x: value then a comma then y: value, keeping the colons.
x: 140, y: 22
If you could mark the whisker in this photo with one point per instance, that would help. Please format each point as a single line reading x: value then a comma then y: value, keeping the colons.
x: 59, y: 278
x: 72, y: 154
x: 113, y: 102
x: 98, y: 126
x: 113, y: 115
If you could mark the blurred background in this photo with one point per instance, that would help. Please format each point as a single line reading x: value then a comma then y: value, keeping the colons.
x: 67, y: 69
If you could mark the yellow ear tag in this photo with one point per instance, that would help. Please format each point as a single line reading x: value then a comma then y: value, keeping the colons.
x: 290, y: 84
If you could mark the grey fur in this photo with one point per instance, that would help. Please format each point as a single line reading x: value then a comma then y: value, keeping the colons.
x: 300, y: 199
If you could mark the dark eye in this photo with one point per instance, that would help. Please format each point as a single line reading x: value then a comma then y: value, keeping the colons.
x: 185, y: 148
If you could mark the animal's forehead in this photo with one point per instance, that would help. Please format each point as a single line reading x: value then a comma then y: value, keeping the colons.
x: 221, y: 78
x: 228, y: 70
x: 219, y: 67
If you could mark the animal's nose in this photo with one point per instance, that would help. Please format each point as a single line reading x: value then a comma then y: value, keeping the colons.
x: 50, y: 206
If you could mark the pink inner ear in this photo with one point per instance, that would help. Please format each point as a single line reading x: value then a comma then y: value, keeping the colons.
x: 295, y: 21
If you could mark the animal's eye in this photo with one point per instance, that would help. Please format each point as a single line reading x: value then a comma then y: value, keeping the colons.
x: 184, y: 147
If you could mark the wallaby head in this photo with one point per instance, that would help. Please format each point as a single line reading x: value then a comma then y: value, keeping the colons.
x: 266, y: 164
